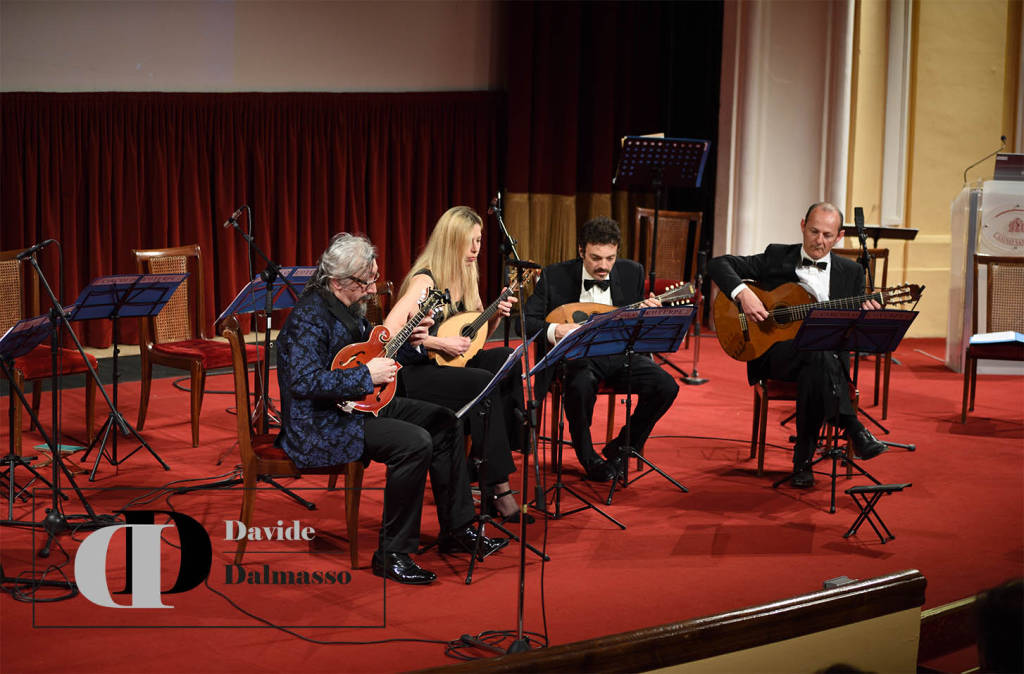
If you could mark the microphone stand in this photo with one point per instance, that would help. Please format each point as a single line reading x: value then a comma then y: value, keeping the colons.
x: 272, y: 271
x: 521, y: 642
x: 507, y: 249
x: 695, y: 378
x: 56, y: 522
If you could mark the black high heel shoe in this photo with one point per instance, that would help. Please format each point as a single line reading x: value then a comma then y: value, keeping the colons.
x: 514, y: 518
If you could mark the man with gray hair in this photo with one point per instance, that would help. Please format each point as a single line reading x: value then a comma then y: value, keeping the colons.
x: 413, y: 438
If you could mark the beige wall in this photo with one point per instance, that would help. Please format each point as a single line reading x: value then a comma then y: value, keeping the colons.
x: 238, y: 45
x: 964, y: 78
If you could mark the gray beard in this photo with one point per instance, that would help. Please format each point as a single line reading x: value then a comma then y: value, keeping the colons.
x: 359, y: 308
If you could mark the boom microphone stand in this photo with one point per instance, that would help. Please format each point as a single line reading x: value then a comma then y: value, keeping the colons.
x: 270, y: 274
x: 56, y: 522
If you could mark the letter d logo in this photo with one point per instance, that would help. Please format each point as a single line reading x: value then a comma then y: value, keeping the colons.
x: 142, y: 561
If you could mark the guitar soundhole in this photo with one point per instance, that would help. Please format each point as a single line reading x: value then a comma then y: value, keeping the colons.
x: 779, y: 314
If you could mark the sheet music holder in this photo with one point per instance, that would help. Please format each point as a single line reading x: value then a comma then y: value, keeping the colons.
x: 250, y: 299
x: 874, y: 331
x: 115, y: 297
x: 877, y: 232
x: 510, y: 362
x: 672, y: 162
x: 23, y: 336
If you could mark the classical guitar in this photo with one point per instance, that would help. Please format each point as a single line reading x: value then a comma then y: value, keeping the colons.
x: 579, y: 312
x: 382, y: 345
x: 787, y: 305
x: 473, y: 324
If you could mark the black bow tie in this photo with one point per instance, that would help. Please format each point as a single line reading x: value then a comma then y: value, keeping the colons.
x: 808, y: 262
x: 590, y: 283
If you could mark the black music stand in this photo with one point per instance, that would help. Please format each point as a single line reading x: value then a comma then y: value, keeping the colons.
x: 848, y: 330
x: 644, y: 330
x: 19, y: 340
x: 278, y: 288
x: 115, y: 297
x: 659, y: 163
x: 877, y: 232
x: 480, y: 457
x: 555, y: 357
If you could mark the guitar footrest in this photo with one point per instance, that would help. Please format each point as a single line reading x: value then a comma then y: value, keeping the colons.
x: 867, y: 497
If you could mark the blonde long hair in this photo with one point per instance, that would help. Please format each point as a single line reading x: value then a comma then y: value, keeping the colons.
x: 444, y: 256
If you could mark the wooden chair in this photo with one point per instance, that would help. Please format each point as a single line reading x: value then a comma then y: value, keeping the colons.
x: 261, y: 457
x: 679, y: 236
x: 176, y: 337
x: 1004, y: 310
x: 19, y: 298
x: 883, y: 362
x: 768, y: 390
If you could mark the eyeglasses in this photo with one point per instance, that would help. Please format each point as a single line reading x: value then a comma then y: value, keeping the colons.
x: 367, y: 283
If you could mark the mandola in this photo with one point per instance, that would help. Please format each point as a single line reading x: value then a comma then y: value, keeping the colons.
x: 579, y: 312
x: 473, y: 324
x: 382, y: 345
x: 787, y: 307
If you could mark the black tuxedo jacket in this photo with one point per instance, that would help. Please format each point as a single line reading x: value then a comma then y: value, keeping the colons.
x: 775, y: 266
x: 561, y: 283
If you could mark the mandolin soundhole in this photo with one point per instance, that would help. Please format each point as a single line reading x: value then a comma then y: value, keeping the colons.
x: 468, y: 331
x: 580, y: 316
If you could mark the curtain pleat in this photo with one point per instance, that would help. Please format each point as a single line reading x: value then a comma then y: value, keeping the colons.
x: 105, y: 173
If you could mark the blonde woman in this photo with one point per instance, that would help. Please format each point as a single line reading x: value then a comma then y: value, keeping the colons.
x: 449, y: 261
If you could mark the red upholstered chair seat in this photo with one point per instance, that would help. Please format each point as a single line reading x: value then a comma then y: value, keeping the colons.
x: 36, y: 363
x: 211, y: 354
x: 263, y: 446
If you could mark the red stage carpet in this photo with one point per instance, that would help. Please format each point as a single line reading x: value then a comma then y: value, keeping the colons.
x: 733, y: 541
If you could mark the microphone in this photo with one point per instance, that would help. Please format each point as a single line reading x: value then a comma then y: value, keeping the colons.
x: 495, y: 205
x: 32, y: 250
x: 858, y: 219
x: 1001, y: 146
x: 233, y: 220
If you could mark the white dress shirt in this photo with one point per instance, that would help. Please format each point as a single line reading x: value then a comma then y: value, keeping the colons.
x: 595, y: 295
x: 816, y: 280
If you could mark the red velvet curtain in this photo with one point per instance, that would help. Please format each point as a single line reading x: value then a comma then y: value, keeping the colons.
x: 104, y: 173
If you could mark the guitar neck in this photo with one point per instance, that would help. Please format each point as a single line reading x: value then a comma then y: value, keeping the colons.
x: 488, y: 313
x: 396, y: 342
x: 800, y: 311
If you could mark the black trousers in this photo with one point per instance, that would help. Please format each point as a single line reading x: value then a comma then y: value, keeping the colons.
x: 413, y: 439
x: 823, y: 392
x: 453, y: 387
x: 655, y: 388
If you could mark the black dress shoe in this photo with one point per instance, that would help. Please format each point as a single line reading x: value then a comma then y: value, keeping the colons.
x: 867, y: 446
x: 398, y: 566
x: 464, y: 540
x: 600, y: 471
x: 803, y: 479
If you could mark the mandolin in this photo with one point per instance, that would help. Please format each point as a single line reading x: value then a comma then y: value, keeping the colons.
x: 787, y: 305
x: 580, y: 312
x: 473, y: 324
x: 382, y: 345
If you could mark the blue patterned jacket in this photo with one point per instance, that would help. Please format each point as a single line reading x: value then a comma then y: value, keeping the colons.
x: 314, y: 432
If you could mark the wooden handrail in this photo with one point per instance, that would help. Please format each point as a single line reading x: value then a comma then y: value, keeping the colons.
x: 690, y: 640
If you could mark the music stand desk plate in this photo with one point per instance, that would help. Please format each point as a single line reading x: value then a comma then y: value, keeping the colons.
x: 252, y: 297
